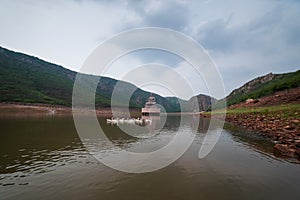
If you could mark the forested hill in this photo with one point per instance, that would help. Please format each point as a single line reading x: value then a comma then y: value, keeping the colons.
x: 27, y: 79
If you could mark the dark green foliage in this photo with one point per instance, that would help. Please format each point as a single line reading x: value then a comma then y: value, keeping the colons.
x: 27, y: 79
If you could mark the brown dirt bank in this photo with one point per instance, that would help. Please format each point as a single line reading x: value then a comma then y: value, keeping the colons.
x: 36, y: 110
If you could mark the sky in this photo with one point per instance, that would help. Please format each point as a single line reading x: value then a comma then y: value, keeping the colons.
x: 245, y: 39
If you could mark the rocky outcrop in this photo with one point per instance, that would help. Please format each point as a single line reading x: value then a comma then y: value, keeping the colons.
x: 252, y: 85
x: 201, y: 102
x: 261, y: 87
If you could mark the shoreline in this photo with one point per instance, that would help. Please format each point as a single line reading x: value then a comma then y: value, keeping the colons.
x: 28, y: 109
x: 280, y: 124
x: 276, y: 117
x: 23, y: 110
x: 285, y: 134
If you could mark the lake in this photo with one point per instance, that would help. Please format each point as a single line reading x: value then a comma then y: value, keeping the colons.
x: 43, y: 157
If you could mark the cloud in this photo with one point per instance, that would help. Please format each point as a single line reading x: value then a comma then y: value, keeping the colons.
x: 266, y: 41
x: 244, y: 38
x: 64, y: 32
x: 168, y: 15
x: 168, y: 82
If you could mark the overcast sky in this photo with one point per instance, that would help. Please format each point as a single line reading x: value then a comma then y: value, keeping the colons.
x: 245, y: 39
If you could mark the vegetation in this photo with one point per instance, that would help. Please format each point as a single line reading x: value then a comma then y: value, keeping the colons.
x: 290, y: 109
x: 27, y: 79
x: 260, y: 89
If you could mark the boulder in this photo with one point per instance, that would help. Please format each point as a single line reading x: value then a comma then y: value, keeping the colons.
x: 251, y: 101
x: 288, y: 127
x: 285, y: 149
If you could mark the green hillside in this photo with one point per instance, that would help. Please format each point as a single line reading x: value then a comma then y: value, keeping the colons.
x: 27, y: 79
x: 263, y: 86
x: 31, y: 80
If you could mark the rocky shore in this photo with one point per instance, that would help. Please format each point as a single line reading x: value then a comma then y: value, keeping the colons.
x: 275, y: 116
x: 282, y: 129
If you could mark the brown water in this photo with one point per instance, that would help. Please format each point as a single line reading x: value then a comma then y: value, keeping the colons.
x: 43, y: 158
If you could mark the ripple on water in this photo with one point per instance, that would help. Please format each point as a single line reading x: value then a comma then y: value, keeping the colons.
x: 224, y: 172
x: 21, y: 150
x: 23, y: 183
x: 8, y: 184
x: 12, y: 166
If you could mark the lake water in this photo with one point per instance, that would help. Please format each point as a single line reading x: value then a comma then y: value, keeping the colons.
x: 44, y: 158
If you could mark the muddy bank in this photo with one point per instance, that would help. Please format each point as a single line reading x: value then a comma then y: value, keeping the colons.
x: 39, y: 110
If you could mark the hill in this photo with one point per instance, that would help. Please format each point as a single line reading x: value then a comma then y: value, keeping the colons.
x: 262, y: 86
x: 204, y: 102
x: 28, y: 79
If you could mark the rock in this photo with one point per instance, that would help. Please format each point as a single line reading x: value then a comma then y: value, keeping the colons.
x: 285, y: 149
x: 288, y: 127
x: 251, y: 101
x: 297, y: 141
x: 298, y: 152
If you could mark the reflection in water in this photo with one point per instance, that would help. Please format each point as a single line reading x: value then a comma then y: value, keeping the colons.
x: 33, y: 146
x: 252, y: 140
x: 44, y: 158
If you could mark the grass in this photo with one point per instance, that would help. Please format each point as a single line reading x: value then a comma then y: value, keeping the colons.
x: 289, y: 109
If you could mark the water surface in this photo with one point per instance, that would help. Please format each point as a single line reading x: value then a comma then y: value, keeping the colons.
x: 43, y: 158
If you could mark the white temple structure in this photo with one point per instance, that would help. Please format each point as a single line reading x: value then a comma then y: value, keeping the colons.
x: 151, y: 109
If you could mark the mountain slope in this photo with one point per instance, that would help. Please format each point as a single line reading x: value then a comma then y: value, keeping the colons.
x: 263, y: 86
x: 28, y: 79
x: 203, y: 101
